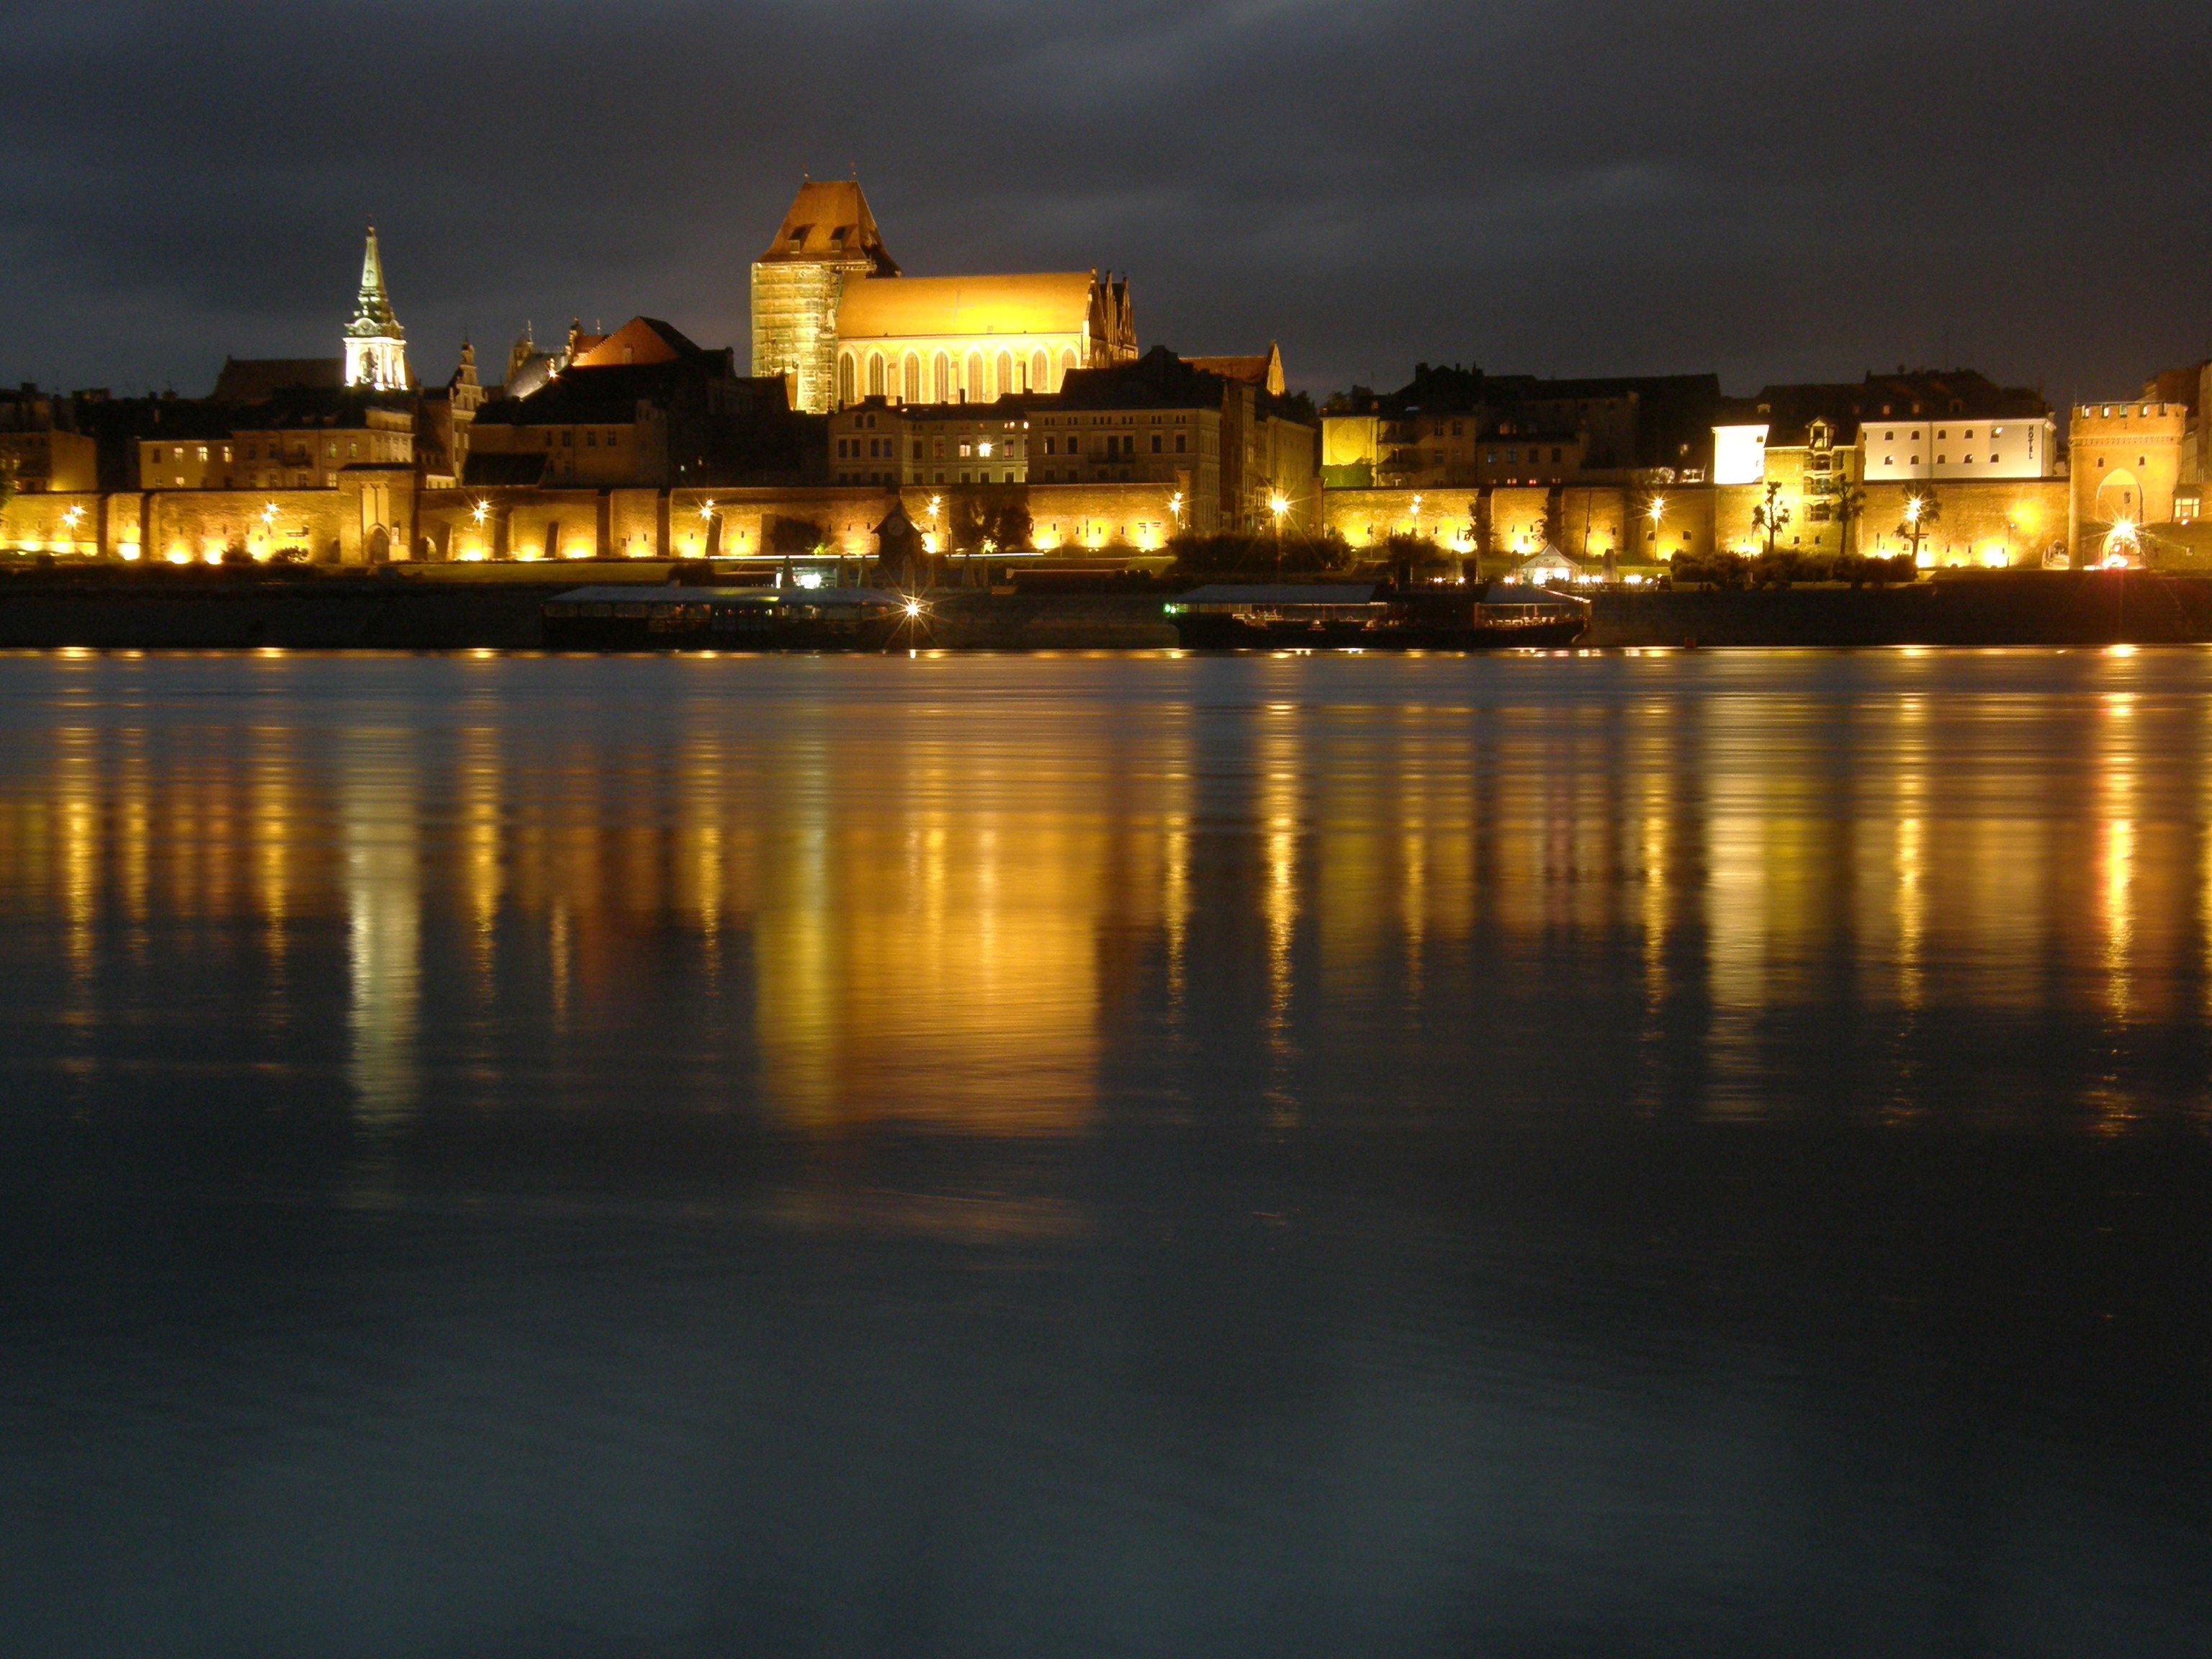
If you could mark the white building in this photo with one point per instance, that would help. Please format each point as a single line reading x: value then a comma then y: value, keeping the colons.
x: 1740, y: 454
x: 1959, y: 446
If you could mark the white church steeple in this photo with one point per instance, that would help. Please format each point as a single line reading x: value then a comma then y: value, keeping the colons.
x: 375, y: 344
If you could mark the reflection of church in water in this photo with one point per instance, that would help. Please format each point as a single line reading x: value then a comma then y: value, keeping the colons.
x: 831, y: 308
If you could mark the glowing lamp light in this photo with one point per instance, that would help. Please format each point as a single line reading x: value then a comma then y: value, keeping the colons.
x: 913, y: 607
x: 481, y: 512
x: 1278, y: 504
x: 129, y: 552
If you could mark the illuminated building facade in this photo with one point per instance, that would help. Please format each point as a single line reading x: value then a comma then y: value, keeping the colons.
x: 642, y: 407
x: 295, y: 445
x: 1223, y: 450
x: 2127, y: 467
x: 828, y: 239
x: 831, y: 310
x: 1452, y: 429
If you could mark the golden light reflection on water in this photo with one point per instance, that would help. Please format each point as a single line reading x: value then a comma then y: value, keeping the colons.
x: 959, y: 908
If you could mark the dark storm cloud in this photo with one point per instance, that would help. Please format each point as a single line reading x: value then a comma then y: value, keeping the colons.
x: 1557, y: 188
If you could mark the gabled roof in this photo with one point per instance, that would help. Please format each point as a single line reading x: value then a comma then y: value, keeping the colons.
x: 830, y: 223
x: 1042, y: 302
x: 257, y: 380
x: 1264, y: 370
x: 641, y: 340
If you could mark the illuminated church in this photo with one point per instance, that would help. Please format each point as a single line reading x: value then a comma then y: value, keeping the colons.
x: 831, y: 308
x: 375, y: 344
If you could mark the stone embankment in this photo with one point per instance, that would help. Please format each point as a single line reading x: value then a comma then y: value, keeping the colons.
x: 233, y: 611
x: 2025, y: 607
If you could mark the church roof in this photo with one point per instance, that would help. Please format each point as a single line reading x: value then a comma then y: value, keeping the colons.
x: 257, y: 380
x: 1043, y: 302
x: 830, y: 223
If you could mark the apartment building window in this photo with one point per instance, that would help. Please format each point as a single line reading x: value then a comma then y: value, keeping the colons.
x: 591, y: 441
x: 204, y: 452
x: 157, y: 455
x: 352, y: 451
x: 567, y: 440
x: 1180, y: 441
x: 611, y: 440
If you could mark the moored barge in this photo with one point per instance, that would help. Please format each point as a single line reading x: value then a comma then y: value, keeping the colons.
x: 1360, y: 617
x: 624, y: 618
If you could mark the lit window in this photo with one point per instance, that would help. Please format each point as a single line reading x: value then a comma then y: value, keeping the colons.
x: 204, y: 452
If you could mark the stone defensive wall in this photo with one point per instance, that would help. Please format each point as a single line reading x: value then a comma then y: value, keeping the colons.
x: 379, y: 515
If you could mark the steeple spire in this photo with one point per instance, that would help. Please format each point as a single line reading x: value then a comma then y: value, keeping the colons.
x: 375, y: 354
x: 372, y: 317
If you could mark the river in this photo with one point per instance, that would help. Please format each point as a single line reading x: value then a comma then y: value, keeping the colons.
x: 1663, y: 1153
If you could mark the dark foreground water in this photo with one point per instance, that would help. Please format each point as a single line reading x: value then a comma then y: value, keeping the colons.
x: 1676, y: 1154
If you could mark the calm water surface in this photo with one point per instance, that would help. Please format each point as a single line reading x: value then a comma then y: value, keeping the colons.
x: 1662, y: 1154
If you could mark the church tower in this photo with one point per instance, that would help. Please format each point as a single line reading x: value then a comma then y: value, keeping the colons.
x: 828, y: 238
x: 375, y: 344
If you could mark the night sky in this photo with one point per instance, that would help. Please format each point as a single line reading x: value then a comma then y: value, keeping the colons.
x: 1794, y: 192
